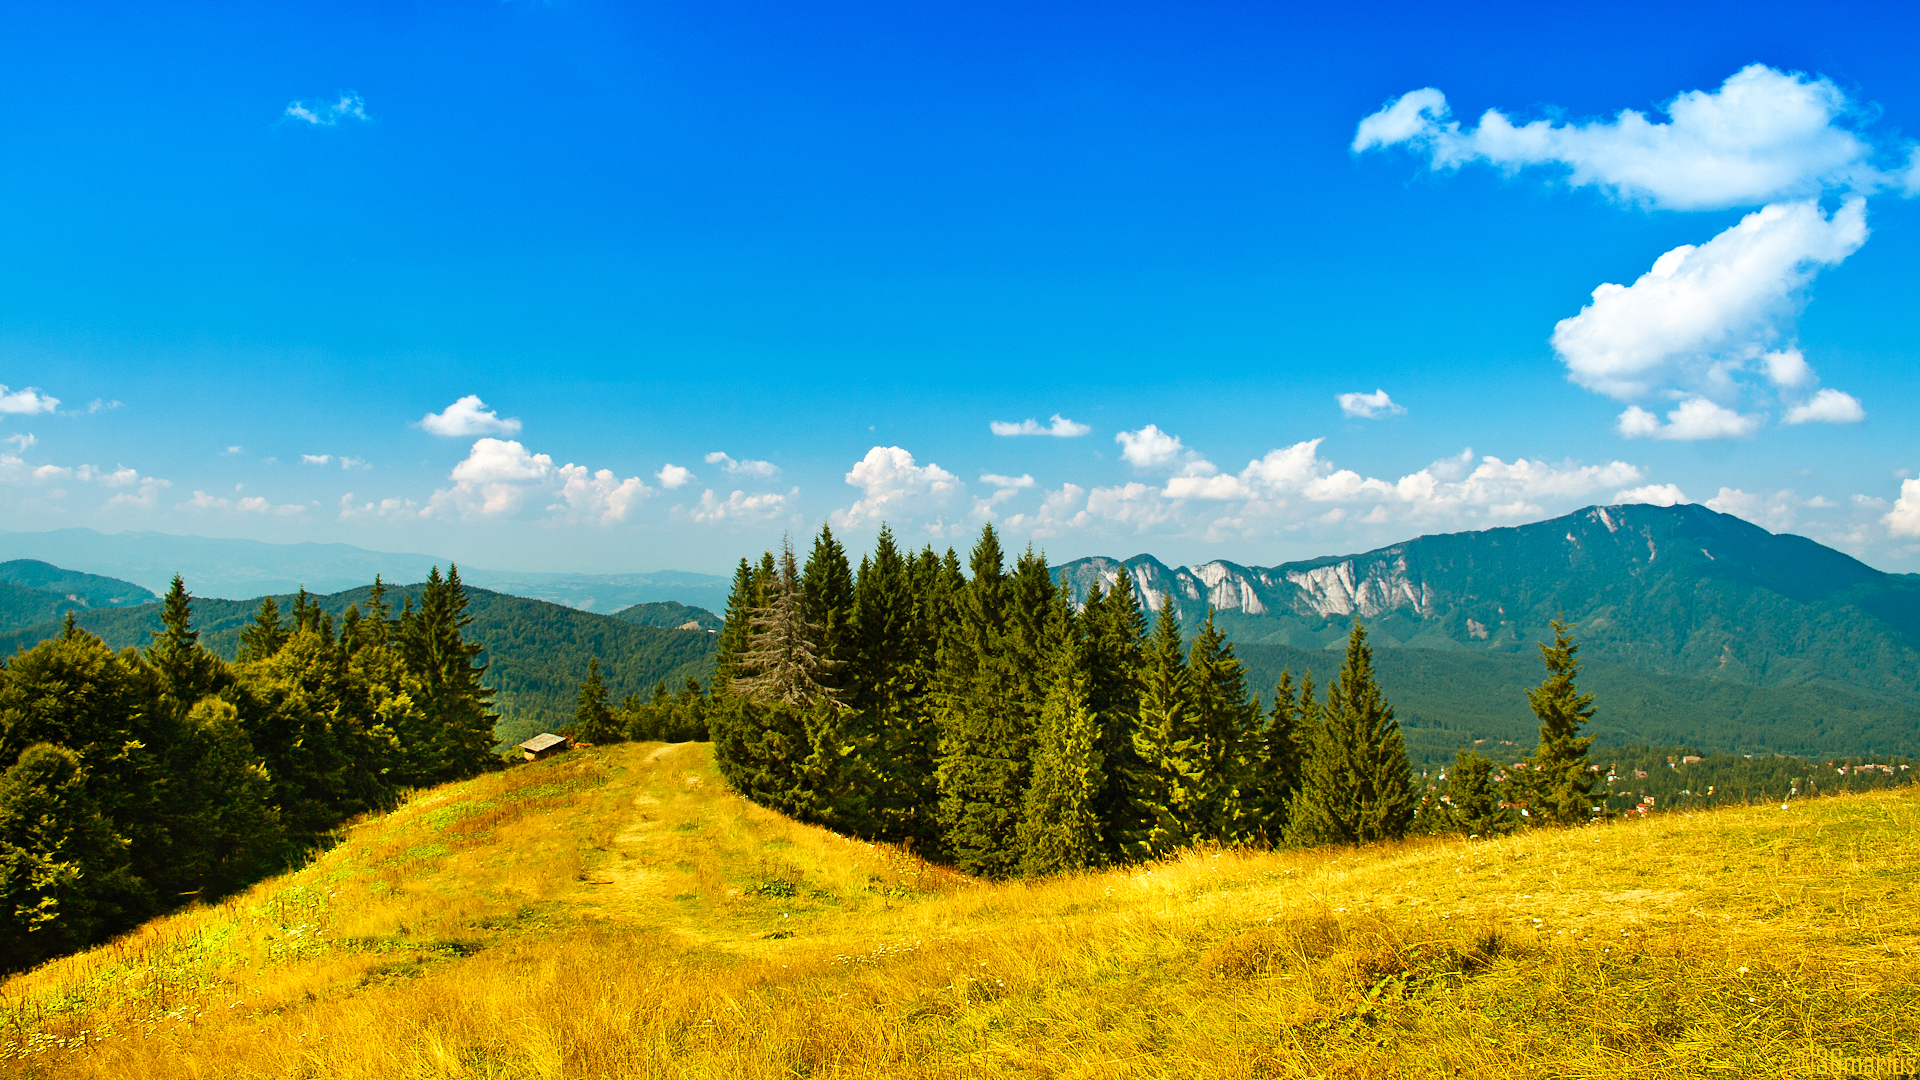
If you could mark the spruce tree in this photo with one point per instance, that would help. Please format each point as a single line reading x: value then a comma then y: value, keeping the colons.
x: 1165, y: 786
x: 889, y: 693
x: 1472, y: 805
x: 455, y: 701
x: 592, y: 713
x: 1356, y: 786
x: 732, y: 640
x: 187, y: 671
x: 1115, y: 629
x: 984, y: 733
x: 1225, y: 725
x: 1059, y: 827
x: 1280, y: 750
x: 1557, y: 783
x: 264, y: 636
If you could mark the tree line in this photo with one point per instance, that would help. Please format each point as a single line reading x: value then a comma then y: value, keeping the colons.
x: 138, y: 779
x: 980, y: 717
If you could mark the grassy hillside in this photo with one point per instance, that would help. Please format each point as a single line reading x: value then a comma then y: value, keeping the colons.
x: 1446, y: 700
x: 538, y: 651
x: 615, y: 913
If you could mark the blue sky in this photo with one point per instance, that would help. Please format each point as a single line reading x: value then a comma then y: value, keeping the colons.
x: 716, y: 272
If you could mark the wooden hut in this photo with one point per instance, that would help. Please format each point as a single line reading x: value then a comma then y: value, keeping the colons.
x: 544, y: 745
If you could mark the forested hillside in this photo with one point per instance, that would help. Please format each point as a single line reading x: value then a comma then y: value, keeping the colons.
x: 1677, y: 590
x: 671, y: 614
x: 537, y: 652
x: 1446, y: 700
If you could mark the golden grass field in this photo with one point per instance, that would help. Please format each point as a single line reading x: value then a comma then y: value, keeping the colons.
x: 617, y: 913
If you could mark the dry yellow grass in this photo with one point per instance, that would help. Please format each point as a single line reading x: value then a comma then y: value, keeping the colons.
x: 616, y: 913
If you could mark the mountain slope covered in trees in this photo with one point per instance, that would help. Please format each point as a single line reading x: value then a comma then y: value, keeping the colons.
x: 538, y: 652
x: 1677, y: 590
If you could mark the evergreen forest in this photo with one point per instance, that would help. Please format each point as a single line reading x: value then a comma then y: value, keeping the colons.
x: 978, y: 715
x: 140, y: 779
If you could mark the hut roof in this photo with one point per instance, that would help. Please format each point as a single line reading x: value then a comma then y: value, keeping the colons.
x: 542, y: 741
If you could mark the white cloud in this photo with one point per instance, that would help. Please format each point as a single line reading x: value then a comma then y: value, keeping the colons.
x: 500, y: 477
x: 1703, y: 314
x: 1150, y: 448
x: 100, y: 405
x: 673, y: 476
x: 1059, y: 512
x: 1778, y: 512
x: 1013, y: 483
x: 1061, y: 427
x: 740, y: 506
x: 600, y: 495
x: 764, y: 470
x: 25, y: 402
x: 891, y: 484
x: 1829, y: 406
x: 143, y: 497
x: 1693, y: 419
x: 249, y: 504
x: 1370, y: 406
x: 1904, y: 518
x: 232, y: 450
x: 1653, y: 494
x: 326, y: 114
x: 1764, y: 135
x: 22, y: 441
x: 466, y: 417
x: 385, y: 508
x: 316, y: 459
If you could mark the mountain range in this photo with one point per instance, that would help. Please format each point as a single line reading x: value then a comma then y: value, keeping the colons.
x: 1696, y: 628
x: 1704, y: 627
x: 232, y: 569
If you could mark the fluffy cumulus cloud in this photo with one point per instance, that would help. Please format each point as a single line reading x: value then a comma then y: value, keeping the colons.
x: 1370, y: 406
x: 25, y: 402
x: 1706, y: 321
x: 1904, y: 518
x: 1828, y: 406
x: 761, y: 470
x: 130, y: 487
x: 1151, y: 448
x: 1293, y: 487
x: 893, y: 486
x: 1763, y: 135
x: 1693, y: 419
x: 347, y: 106
x: 673, y: 476
x: 1653, y: 495
x: 741, y: 506
x: 502, y: 478
x: 1059, y: 427
x: 240, y: 504
x: 466, y: 418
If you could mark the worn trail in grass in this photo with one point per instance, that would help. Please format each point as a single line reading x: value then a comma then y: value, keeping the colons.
x: 617, y: 912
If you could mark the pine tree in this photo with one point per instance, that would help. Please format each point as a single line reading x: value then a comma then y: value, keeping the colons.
x: 1356, y: 786
x: 1557, y: 783
x: 889, y: 694
x: 1115, y: 630
x: 1059, y: 828
x: 827, y: 591
x: 1472, y: 805
x: 1165, y: 788
x: 742, y: 600
x: 782, y: 661
x: 984, y: 733
x: 264, y: 636
x: 456, y: 702
x: 593, y: 721
x: 1225, y: 723
x: 187, y: 671
x: 1276, y: 762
